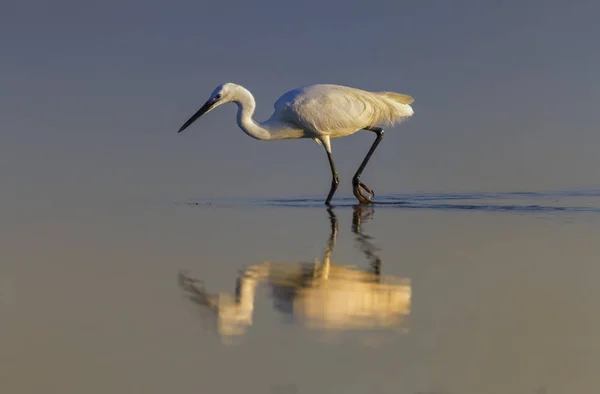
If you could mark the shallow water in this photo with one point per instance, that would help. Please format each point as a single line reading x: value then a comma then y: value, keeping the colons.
x: 423, y: 293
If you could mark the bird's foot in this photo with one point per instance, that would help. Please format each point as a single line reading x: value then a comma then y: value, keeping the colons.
x: 360, y: 189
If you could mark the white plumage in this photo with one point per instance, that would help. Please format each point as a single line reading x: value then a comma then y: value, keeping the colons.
x: 320, y: 112
x: 337, y: 111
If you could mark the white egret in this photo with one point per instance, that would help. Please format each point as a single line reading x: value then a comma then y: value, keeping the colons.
x: 318, y: 112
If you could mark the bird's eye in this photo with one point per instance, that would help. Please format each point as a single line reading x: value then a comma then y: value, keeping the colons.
x: 218, y: 96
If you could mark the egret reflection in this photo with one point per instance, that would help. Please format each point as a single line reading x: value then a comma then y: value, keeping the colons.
x: 322, y: 294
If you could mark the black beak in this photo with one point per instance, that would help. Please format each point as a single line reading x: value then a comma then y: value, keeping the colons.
x: 208, y: 105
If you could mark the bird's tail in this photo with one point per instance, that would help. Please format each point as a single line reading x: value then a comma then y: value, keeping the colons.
x: 397, y: 107
x: 397, y: 97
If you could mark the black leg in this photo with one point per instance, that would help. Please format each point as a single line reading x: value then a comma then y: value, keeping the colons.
x: 356, y: 183
x: 335, y: 180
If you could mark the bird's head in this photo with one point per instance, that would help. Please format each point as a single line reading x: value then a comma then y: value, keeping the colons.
x: 222, y: 94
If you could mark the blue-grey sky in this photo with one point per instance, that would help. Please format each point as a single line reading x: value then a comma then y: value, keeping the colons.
x: 94, y: 92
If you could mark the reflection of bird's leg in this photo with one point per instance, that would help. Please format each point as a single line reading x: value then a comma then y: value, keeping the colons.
x: 359, y: 215
x: 324, y: 269
x: 358, y: 187
x: 334, y: 230
x: 376, y: 268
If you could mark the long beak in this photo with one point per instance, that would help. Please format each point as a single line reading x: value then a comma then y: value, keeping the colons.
x: 205, y: 108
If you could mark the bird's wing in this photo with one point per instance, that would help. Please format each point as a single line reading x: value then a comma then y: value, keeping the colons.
x: 339, y: 109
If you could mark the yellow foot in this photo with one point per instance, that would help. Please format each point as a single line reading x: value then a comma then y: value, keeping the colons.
x: 360, y: 191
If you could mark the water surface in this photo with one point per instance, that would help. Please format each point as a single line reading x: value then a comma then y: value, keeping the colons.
x: 424, y: 293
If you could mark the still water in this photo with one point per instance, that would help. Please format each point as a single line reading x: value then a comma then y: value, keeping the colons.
x: 437, y: 294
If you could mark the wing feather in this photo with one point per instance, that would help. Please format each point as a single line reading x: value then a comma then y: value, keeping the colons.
x: 333, y: 109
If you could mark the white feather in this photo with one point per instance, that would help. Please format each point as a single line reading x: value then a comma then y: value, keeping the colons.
x: 337, y: 111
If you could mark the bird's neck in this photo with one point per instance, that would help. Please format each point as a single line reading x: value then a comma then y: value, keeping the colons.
x: 246, y: 107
